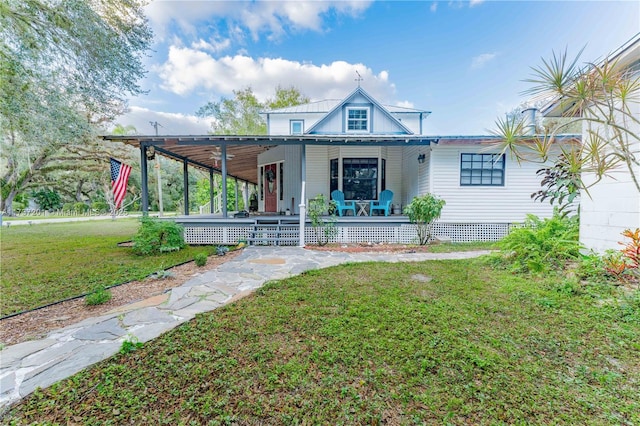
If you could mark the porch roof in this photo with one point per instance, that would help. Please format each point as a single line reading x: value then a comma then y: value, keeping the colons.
x: 242, y: 151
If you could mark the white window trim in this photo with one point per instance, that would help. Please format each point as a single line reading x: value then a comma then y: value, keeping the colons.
x: 346, y: 119
x: 291, y: 127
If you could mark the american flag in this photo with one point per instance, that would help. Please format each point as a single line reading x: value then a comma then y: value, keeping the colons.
x: 119, y: 177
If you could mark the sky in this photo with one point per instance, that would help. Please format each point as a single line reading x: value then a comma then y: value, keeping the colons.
x: 465, y: 61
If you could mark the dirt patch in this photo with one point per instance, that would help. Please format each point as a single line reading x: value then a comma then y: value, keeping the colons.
x: 37, y: 324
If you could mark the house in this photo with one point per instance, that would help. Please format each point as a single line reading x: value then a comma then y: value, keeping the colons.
x: 613, y: 203
x: 481, y: 186
x: 361, y: 147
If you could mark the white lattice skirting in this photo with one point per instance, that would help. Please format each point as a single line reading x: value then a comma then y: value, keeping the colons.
x: 400, y: 234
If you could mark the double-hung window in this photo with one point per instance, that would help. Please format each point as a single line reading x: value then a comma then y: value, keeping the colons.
x: 482, y: 169
x: 357, y: 119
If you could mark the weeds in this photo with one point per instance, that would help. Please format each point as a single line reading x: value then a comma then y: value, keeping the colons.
x: 200, y: 259
x: 100, y: 295
x: 130, y: 344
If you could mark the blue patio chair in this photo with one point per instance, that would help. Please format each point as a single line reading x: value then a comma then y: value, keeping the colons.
x: 383, y: 203
x: 341, y: 205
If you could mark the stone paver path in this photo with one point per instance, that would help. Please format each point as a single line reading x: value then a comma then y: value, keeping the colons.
x: 64, y: 352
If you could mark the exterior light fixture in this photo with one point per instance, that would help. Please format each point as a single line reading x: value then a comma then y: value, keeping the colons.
x: 421, y: 158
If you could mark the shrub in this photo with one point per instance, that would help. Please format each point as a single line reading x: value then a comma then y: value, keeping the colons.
x: 47, y: 199
x: 19, y: 206
x: 99, y: 296
x: 542, y: 244
x: 81, y: 207
x: 200, y: 259
x: 423, y: 211
x: 323, y: 228
x: 100, y: 206
x: 67, y: 207
x: 157, y: 236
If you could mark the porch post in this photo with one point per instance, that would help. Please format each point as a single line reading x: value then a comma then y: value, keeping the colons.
x: 224, y: 179
x: 145, y: 178
x: 236, y: 179
x: 211, y: 191
x: 245, y: 195
x: 302, y: 206
x: 185, y: 185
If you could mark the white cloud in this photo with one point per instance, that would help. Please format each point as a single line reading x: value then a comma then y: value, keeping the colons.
x: 405, y: 104
x: 213, y: 46
x: 434, y: 6
x: 187, y: 70
x: 172, y: 123
x: 481, y: 60
x: 270, y: 17
x: 475, y: 2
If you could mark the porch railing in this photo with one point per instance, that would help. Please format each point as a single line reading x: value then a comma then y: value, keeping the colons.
x: 217, y: 205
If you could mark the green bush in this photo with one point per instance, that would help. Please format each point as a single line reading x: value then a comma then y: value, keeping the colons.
x: 81, y: 207
x: 423, y: 211
x: 47, y: 199
x: 324, y: 228
x: 542, y: 244
x: 100, y: 206
x: 200, y: 259
x: 18, y: 206
x: 67, y: 207
x: 99, y: 296
x: 157, y: 236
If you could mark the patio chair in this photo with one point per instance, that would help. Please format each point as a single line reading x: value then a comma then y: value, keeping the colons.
x: 341, y: 205
x: 383, y: 203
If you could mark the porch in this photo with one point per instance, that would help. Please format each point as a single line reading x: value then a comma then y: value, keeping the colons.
x: 285, y: 230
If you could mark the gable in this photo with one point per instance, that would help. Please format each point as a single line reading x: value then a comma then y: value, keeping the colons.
x: 357, y: 114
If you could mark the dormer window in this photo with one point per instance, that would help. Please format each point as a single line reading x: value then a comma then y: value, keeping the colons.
x: 357, y: 119
x: 297, y: 127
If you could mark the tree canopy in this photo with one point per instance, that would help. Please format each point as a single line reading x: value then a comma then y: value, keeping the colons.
x: 241, y: 115
x: 65, y: 68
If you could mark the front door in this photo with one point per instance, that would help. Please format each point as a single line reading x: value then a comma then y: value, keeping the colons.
x: 270, y: 186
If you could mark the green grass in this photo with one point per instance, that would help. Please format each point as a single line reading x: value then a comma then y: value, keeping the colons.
x: 452, y: 247
x: 49, y: 262
x: 371, y: 344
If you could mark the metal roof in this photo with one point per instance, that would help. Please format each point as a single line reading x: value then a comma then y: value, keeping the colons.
x: 327, y: 105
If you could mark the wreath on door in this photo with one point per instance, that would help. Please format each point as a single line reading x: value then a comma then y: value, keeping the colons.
x: 271, y: 177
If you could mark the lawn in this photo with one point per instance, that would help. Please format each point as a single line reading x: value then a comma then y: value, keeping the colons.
x: 438, y: 342
x: 46, y: 263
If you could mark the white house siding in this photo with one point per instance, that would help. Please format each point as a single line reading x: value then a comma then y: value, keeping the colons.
x: 409, y: 120
x: 279, y: 124
x: 612, y: 207
x: 382, y: 123
x: 412, y: 177
x: 485, y: 204
x: 317, y: 171
x: 292, y: 178
x: 393, y: 156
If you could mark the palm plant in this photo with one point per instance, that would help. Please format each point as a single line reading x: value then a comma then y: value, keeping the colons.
x: 600, y: 96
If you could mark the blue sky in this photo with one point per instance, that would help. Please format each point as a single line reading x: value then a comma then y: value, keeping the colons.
x: 462, y: 60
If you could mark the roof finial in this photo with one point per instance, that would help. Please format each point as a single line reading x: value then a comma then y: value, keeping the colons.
x: 359, y: 79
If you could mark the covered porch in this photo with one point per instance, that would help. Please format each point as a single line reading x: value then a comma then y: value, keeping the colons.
x: 236, y: 157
